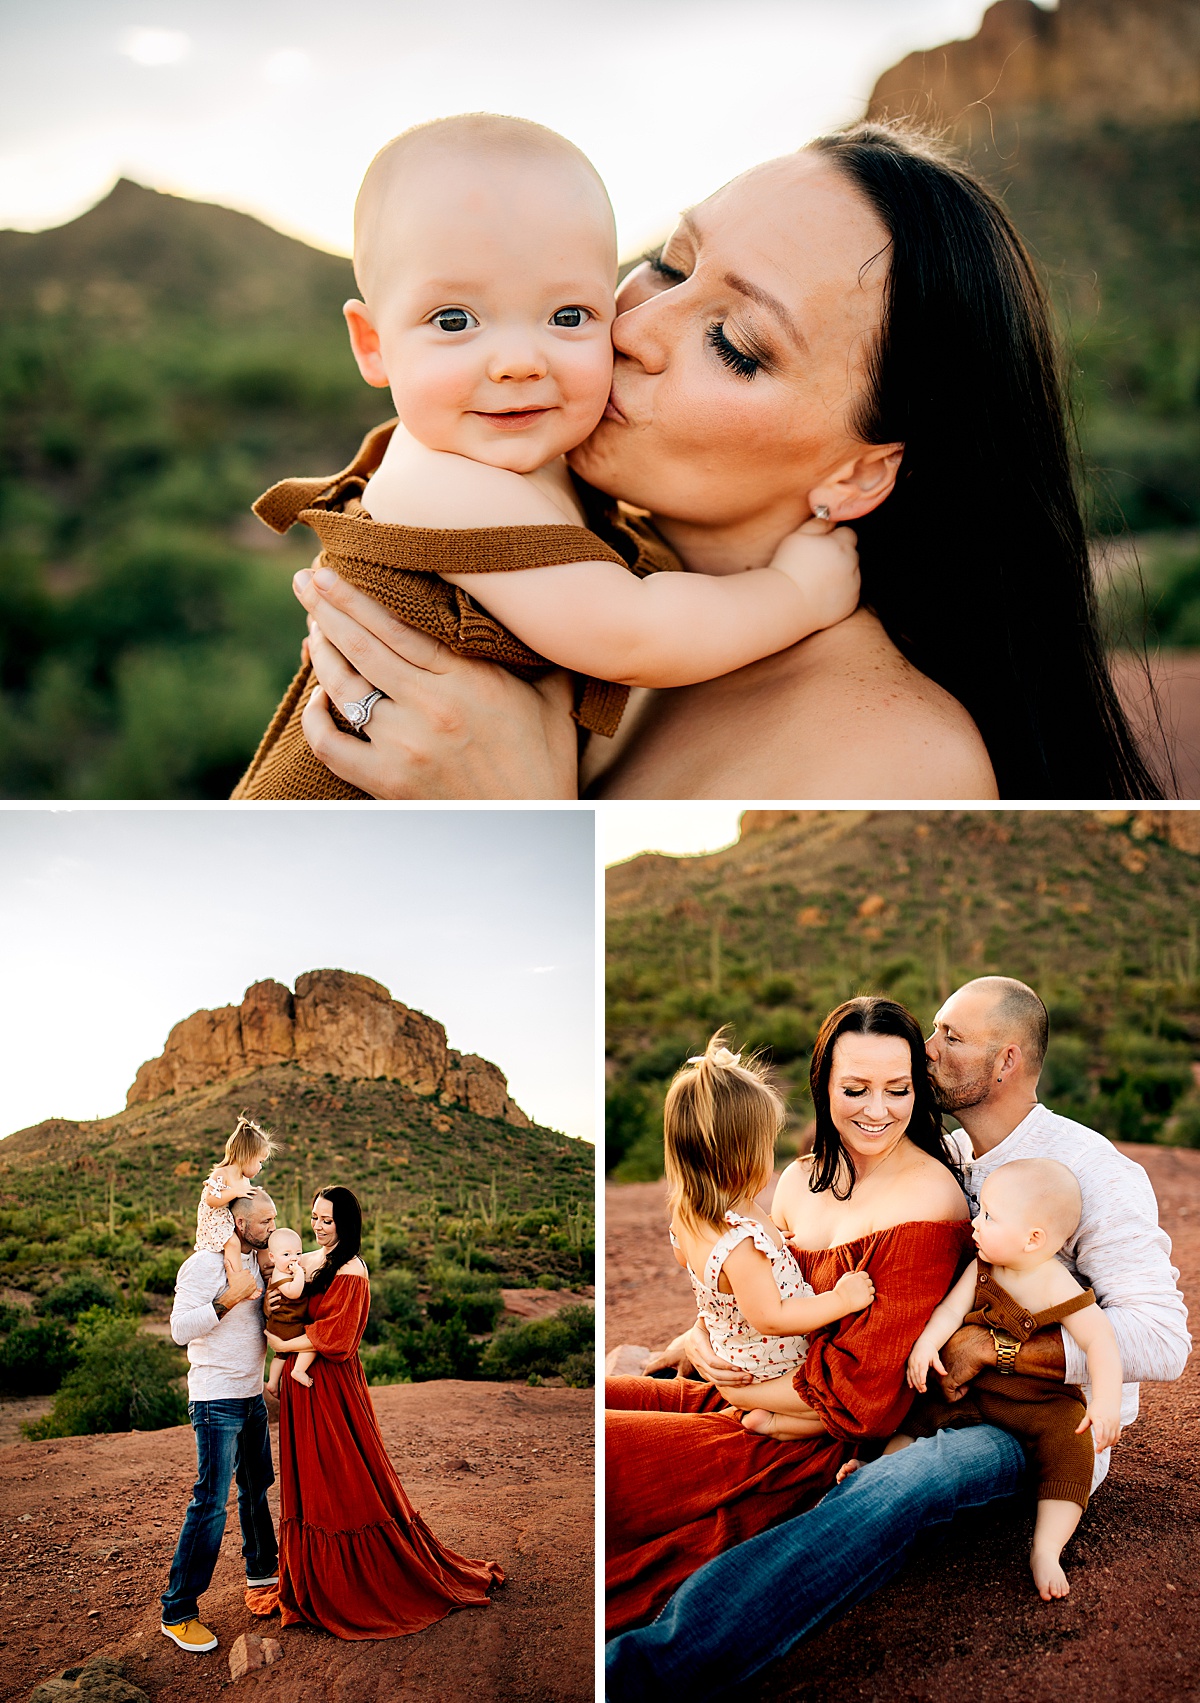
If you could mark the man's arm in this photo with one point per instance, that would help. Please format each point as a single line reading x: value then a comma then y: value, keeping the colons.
x: 197, y: 1310
x: 1127, y: 1259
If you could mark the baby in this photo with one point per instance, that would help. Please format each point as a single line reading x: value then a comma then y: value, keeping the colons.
x: 1027, y: 1211
x: 246, y: 1152
x: 285, y: 1305
x: 486, y: 254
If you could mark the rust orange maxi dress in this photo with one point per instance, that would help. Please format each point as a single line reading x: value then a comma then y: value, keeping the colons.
x: 684, y: 1484
x: 354, y: 1555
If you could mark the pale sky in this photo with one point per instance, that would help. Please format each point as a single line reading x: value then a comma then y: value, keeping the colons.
x: 118, y: 923
x: 682, y: 829
x: 277, y: 108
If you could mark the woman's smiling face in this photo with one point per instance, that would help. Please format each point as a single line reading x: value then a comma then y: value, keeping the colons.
x: 740, y: 356
x: 870, y: 1093
x: 323, y: 1226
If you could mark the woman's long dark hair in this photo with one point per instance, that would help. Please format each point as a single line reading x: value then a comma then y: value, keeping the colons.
x: 977, y: 564
x: 832, y: 1167
x: 347, y: 1221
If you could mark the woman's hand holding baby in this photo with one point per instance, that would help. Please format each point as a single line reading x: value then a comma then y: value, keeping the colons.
x: 434, y: 734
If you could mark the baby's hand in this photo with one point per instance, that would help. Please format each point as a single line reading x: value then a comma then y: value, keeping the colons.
x: 1105, y: 1423
x: 855, y: 1289
x: 822, y: 561
x: 923, y: 1356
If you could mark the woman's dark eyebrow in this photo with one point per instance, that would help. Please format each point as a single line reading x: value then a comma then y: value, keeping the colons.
x: 773, y: 305
x: 754, y: 292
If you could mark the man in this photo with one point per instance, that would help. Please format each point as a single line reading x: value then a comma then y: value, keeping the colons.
x: 752, y: 1604
x: 221, y: 1326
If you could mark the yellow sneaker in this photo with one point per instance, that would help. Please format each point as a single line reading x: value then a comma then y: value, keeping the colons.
x: 190, y: 1636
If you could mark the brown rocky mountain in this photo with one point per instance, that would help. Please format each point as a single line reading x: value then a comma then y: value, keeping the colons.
x: 1087, y: 61
x: 336, y: 1023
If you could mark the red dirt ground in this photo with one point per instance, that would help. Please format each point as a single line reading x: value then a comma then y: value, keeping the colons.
x: 962, y: 1619
x: 498, y: 1470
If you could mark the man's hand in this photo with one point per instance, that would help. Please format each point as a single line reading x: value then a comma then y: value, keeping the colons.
x: 966, y: 1354
x: 240, y: 1288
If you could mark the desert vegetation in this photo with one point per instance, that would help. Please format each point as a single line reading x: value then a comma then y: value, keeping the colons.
x: 96, y: 1219
x: 767, y: 937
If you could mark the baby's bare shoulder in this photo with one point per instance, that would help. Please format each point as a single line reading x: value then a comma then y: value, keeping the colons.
x: 1056, y: 1283
x: 432, y: 488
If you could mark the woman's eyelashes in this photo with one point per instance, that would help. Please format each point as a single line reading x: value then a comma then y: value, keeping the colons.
x: 670, y: 274
x: 734, y: 358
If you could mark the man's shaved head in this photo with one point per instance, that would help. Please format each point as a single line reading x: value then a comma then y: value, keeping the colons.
x: 1015, y: 1014
x: 488, y: 140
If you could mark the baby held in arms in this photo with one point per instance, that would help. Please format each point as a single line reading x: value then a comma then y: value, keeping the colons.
x: 285, y: 1303
x: 721, y: 1120
x: 1028, y: 1210
x: 485, y: 250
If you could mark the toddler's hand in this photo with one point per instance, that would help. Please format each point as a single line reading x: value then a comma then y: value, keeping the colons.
x: 855, y: 1289
x: 923, y: 1356
x: 1105, y: 1424
x: 822, y: 560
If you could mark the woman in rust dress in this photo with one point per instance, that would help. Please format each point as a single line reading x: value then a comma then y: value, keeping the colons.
x: 879, y: 1193
x: 354, y: 1555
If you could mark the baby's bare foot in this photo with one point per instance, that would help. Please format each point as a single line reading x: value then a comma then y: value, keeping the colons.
x: 1048, y: 1575
x: 302, y: 1378
x: 846, y: 1468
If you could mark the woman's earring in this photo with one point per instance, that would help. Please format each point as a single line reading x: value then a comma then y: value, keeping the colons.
x: 822, y: 511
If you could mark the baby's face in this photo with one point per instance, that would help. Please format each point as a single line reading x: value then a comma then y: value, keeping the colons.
x: 1001, y: 1227
x: 495, y: 306
x: 285, y: 1246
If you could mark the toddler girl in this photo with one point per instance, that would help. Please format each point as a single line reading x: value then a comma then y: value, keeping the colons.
x: 246, y: 1152
x: 485, y: 250
x: 720, y: 1123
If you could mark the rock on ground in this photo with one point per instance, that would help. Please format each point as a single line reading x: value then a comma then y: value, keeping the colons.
x: 498, y: 1470
x: 963, y: 1619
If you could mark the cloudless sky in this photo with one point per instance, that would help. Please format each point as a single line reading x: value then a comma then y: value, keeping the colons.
x: 276, y: 107
x: 683, y: 829
x: 116, y: 924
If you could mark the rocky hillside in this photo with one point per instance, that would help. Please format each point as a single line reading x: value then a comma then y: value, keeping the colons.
x: 1087, y: 61
x: 1085, y: 118
x: 335, y: 1023
x: 1098, y: 910
x: 357, y: 1088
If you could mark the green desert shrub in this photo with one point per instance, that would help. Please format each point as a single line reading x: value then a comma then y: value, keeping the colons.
x: 124, y: 1381
x: 416, y: 1356
x: 79, y: 1292
x: 34, y: 1358
x: 542, y: 1346
x: 158, y: 1275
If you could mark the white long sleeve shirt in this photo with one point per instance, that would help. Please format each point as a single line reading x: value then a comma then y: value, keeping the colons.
x: 226, y: 1356
x: 1118, y: 1250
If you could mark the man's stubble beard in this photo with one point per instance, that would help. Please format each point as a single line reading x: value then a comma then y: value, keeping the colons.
x: 960, y: 1096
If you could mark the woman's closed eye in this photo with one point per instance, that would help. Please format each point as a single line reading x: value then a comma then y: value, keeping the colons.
x: 669, y: 274
x: 734, y: 358
x: 454, y: 319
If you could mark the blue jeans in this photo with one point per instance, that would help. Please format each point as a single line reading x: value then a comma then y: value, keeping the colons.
x: 753, y: 1603
x: 231, y: 1437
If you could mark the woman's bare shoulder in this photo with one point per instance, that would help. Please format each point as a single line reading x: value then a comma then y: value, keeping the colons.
x: 353, y: 1268
x: 928, y: 1191
x: 878, y: 727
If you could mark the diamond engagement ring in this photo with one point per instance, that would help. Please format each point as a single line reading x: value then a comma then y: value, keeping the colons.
x: 358, y: 711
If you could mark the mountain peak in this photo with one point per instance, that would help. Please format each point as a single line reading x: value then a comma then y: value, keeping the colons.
x: 336, y: 1023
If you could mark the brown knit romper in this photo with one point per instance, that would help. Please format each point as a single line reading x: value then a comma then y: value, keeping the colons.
x: 1041, y: 1415
x: 399, y: 567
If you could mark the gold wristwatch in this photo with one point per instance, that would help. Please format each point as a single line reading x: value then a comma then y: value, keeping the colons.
x: 1006, y: 1350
